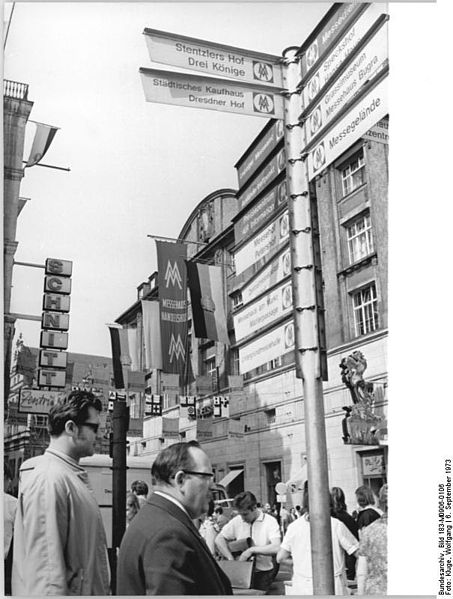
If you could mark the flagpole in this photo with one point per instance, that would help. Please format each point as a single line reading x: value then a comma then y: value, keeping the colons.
x: 9, y: 24
x: 176, y: 239
x: 58, y: 168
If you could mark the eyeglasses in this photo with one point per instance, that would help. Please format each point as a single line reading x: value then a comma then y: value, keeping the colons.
x: 206, y: 474
x: 93, y: 425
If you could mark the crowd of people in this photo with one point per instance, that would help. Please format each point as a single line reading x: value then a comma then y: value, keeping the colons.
x: 176, y: 537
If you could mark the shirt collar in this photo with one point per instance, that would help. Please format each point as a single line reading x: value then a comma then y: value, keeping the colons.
x: 65, y: 458
x: 173, y: 500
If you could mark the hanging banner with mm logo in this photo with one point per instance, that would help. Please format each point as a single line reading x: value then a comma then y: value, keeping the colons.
x: 166, y: 87
x: 172, y: 280
x: 214, y: 59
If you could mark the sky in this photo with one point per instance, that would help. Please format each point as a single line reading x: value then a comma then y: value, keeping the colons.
x: 139, y: 168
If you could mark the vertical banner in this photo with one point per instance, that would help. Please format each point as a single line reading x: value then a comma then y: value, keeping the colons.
x: 206, y: 294
x: 172, y: 279
x: 151, y: 335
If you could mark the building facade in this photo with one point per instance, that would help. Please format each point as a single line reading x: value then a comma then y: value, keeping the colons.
x: 257, y: 437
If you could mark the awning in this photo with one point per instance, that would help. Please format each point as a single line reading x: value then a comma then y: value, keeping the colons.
x: 226, y: 480
x: 295, y: 483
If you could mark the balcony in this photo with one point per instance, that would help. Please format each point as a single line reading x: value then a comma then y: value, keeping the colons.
x: 14, y: 89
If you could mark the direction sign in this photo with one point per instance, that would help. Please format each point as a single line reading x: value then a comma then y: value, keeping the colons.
x: 370, y: 109
x: 361, y: 69
x: 214, y: 59
x: 166, y: 87
x: 341, y: 51
x: 325, y: 33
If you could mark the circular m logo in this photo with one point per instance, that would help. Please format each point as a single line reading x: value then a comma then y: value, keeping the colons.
x: 263, y: 103
x: 318, y: 156
x: 312, y: 54
x: 315, y: 120
x: 263, y: 71
x: 313, y: 87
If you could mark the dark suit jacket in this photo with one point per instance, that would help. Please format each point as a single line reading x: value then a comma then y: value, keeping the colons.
x: 162, y: 554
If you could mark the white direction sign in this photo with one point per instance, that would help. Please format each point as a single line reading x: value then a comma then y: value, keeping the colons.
x: 267, y: 347
x: 364, y: 66
x: 166, y: 87
x: 341, y: 51
x: 214, y: 59
x: 264, y: 311
x: 364, y: 115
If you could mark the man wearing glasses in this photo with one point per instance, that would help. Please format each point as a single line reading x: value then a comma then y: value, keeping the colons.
x: 59, y: 539
x: 162, y: 552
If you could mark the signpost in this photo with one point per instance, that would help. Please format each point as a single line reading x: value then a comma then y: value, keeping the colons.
x: 364, y: 65
x: 167, y: 87
x: 340, y: 90
x: 336, y: 57
x: 365, y: 113
x: 214, y: 59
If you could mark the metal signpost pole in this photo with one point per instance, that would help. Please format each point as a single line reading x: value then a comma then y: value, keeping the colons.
x: 306, y: 331
x: 120, y: 425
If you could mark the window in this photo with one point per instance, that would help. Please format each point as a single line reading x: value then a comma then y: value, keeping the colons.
x: 270, y: 415
x: 353, y: 175
x: 235, y: 370
x: 365, y: 306
x: 360, y: 238
x: 211, y: 370
x: 236, y: 300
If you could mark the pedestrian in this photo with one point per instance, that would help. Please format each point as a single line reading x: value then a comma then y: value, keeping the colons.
x: 162, y: 552
x: 297, y: 543
x: 132, y: 507
x: 220, y: 518
x: 298, y: 511
x: 140, y: 489
x: 208, y: 530
x: 367, y: 511
x: 339, y: 510
x: 372, y: 561
x: 285, y: 519
x: 59, y: 539
x: 264, y: 531
x: 9, y: 513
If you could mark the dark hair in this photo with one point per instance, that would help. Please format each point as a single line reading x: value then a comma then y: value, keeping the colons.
x: 7, y: 472
x: 305, y: 503
x: 139, y: 487
x: 171, y: 459
x: 383, y: 500
x: 338, y: 501
x: 245, y: 501
x: 218, y: 510
x: 75, y: 407
x: 364, y: 496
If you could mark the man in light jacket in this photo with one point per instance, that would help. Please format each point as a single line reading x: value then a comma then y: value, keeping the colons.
x: 59, y: 539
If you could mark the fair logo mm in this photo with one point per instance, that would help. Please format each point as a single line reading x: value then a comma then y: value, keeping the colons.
x: 172, y: 275
x: 312, y: 55
x: 263, y: 103
x: 319, y: 156
x: 316, y: 120
x: 263, y: 71
x: 176, y: 349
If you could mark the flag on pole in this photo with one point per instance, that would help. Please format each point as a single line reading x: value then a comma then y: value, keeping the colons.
x: 43, y: 138
x: 124, y: 353
x: 208, y: 308
x: 151, y: 335
x: 172, y: 280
